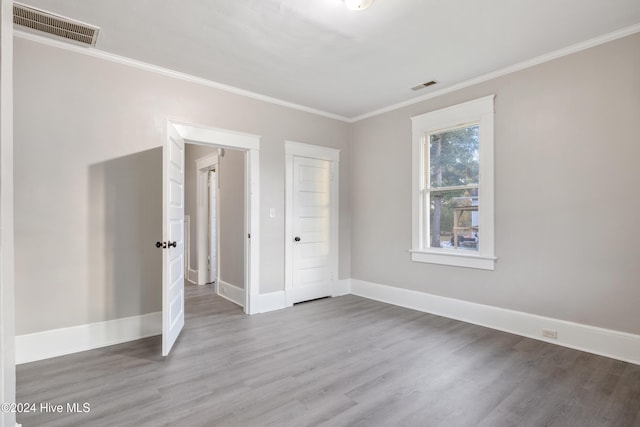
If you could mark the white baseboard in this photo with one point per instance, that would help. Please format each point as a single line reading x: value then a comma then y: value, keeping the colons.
x: 230, y: 292
x: 341, y: 287
x: 192, y: 276
x: 262, y: 303
x: 605, y: 342
x: 277, y: 300
x: 58, y: 342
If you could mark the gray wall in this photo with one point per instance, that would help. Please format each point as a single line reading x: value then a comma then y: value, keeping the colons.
x: 231, y: 217
x: 566, y: 200
x: 566, y: 165
x: 88, y: 134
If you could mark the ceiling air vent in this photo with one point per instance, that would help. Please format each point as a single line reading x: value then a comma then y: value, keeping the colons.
x: 40, y: 21
x: 423, y: 85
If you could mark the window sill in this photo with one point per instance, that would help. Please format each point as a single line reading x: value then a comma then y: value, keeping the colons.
x: 454, y: 259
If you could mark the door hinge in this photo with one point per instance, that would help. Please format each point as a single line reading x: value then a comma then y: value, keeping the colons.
x: 249, y: 235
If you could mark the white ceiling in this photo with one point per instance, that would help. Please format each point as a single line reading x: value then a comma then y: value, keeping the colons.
x: 318, y: 54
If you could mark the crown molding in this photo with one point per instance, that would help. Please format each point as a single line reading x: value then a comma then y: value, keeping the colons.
x: 100, y: 54
x: 97, y: 53
x: 624, y: 32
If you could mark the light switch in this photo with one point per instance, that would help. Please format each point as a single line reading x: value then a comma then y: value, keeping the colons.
x: 272, y: 212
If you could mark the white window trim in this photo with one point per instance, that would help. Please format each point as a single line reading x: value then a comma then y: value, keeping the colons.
x: 478, y: 111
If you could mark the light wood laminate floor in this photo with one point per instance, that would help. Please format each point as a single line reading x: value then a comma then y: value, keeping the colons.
x: 344, y: 361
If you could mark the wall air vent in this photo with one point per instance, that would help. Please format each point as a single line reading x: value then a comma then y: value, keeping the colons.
x: 423, y: 85
x: 39, y: 21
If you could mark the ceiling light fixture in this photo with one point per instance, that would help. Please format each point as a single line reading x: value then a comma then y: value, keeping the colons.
x: 358, y: 4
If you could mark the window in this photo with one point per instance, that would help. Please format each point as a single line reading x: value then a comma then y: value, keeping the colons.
x: 453, y: 185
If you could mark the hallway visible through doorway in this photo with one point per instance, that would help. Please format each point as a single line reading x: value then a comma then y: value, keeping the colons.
x: 214, y: 204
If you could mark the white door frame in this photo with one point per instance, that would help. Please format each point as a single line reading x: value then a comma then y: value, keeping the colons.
x: 7, y: 278
x: 203, y: 165
x: 250, y: 144
x: 297, y: 149
x: 213, y: 220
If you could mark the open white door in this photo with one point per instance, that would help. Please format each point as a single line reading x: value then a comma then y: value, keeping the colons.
x: 173, y: 244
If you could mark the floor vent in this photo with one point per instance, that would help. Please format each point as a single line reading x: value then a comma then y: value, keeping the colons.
x: 40, y: 21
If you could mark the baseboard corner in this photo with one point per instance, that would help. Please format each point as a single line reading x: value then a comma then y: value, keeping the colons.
x: 341, y: 287
x: 230, y: 292
x: 271, y: 301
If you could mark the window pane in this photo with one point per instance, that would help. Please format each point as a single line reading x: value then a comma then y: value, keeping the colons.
x: 453, y: 219
x: 453, y: 157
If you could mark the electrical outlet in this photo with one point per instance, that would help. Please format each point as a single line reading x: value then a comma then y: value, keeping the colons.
x: 224, y: 289
x: 548, y: 333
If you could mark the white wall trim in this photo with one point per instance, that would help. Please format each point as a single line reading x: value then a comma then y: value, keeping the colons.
x: 250, y: 144
x: 187, y: 247
x: 252, y: 210
x: 605, y: 342
x: 341, y: 287
x: 192, y: 276
x: 58, y: 342
x: 481, y: 112
x: 208, y: 161
x: 221, y: 138
x: 605, y: 38
x: 187, y: 242
x: 623, y: 32
x: 96, y: 53
x: 313, y: 151
x: 230, y: 292
x: 7, y: 275
x: 269, y: 302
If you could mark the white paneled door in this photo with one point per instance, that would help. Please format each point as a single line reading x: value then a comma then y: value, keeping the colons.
x: 173, y: 244
x: 311, y: 217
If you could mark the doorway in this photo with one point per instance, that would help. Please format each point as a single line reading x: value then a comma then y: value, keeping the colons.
x: 311, y: 225
x: 201, y: 168
x: 177, y: 134
x: 215, y: 202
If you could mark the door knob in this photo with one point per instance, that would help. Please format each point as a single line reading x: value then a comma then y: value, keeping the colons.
x: 297, y: 239
x: 165, y: 245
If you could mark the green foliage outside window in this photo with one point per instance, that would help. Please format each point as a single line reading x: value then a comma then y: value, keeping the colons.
x: 453, y: 162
